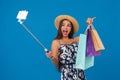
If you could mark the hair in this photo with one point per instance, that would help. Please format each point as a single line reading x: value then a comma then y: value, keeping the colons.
x: 60, y: 36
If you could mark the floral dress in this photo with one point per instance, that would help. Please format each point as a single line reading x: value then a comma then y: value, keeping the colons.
x: 67, y: 56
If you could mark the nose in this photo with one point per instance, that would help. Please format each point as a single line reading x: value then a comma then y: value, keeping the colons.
x: 65, y: 26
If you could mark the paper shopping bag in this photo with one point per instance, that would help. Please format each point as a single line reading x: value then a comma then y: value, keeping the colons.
x: 83, y: 61
x: 90, y: 50
x: 98, y: 45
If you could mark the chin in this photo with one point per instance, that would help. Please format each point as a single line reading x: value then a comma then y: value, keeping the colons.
x: 65, y: 35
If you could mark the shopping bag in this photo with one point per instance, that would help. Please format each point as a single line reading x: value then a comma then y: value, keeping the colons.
x: 90, y: 51
x: 82, y: 61
x: 98, y: 45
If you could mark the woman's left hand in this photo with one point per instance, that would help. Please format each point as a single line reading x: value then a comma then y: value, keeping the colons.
x: 90, y: 20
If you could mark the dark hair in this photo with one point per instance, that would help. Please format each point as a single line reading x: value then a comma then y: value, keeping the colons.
x: 59, y: 34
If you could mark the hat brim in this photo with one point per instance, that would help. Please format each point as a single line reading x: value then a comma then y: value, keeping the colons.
x: 73, y: 20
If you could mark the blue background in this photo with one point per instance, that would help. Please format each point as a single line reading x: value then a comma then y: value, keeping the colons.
x: 21, y: 58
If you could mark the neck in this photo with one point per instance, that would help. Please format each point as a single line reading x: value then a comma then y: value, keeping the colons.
x: 65, y: 38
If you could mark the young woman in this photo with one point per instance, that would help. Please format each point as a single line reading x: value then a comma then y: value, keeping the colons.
x: 64, y: 48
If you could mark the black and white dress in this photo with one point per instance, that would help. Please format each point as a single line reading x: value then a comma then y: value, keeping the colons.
x: 67, y: 56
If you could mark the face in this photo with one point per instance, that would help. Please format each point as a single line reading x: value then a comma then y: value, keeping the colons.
x: 66, y: 28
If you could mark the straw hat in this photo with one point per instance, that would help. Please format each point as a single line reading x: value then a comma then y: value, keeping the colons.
x: 73, y: 20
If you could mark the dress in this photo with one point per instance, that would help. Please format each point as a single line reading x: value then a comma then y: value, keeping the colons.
x: 67, y: 56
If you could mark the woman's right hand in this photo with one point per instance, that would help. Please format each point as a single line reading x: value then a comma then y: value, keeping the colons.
x: 49, y: 54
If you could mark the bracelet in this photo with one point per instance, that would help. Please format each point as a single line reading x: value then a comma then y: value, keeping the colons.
x: 51, y: 57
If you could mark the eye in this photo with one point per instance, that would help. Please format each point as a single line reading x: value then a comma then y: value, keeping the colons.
x: 63, y: 24
x: 69, y: 25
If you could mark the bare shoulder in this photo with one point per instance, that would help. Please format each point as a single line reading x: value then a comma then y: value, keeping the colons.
x: 77, y: 39
x: 55, y: 43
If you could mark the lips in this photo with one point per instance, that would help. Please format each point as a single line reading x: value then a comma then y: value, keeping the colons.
x: 65, y: 32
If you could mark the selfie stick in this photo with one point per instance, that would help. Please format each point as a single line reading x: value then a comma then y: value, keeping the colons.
x: 21, y: 17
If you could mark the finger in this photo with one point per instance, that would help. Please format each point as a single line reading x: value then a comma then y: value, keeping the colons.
x: 93, y: 18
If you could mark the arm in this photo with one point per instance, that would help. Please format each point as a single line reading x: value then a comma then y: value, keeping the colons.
x: 55, y: 47
x: 88, y: 21
x: 53, y: 55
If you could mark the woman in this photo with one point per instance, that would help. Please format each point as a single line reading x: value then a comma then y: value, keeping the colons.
x: 64, y: 48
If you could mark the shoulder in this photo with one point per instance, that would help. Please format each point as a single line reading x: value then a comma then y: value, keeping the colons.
x: 76, y: 39
x: 55, y: 43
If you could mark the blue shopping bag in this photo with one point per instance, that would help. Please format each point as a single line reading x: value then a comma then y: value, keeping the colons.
x: 82, y: 61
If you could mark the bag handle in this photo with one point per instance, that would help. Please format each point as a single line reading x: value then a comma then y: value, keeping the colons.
x: 87, y: 29
x: 90, y: 26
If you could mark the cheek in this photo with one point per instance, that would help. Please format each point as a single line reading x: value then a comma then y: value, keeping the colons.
x: 62, y: 28
x: 69, y: 29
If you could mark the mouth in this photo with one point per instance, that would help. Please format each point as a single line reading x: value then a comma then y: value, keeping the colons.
x: 65, y: 32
